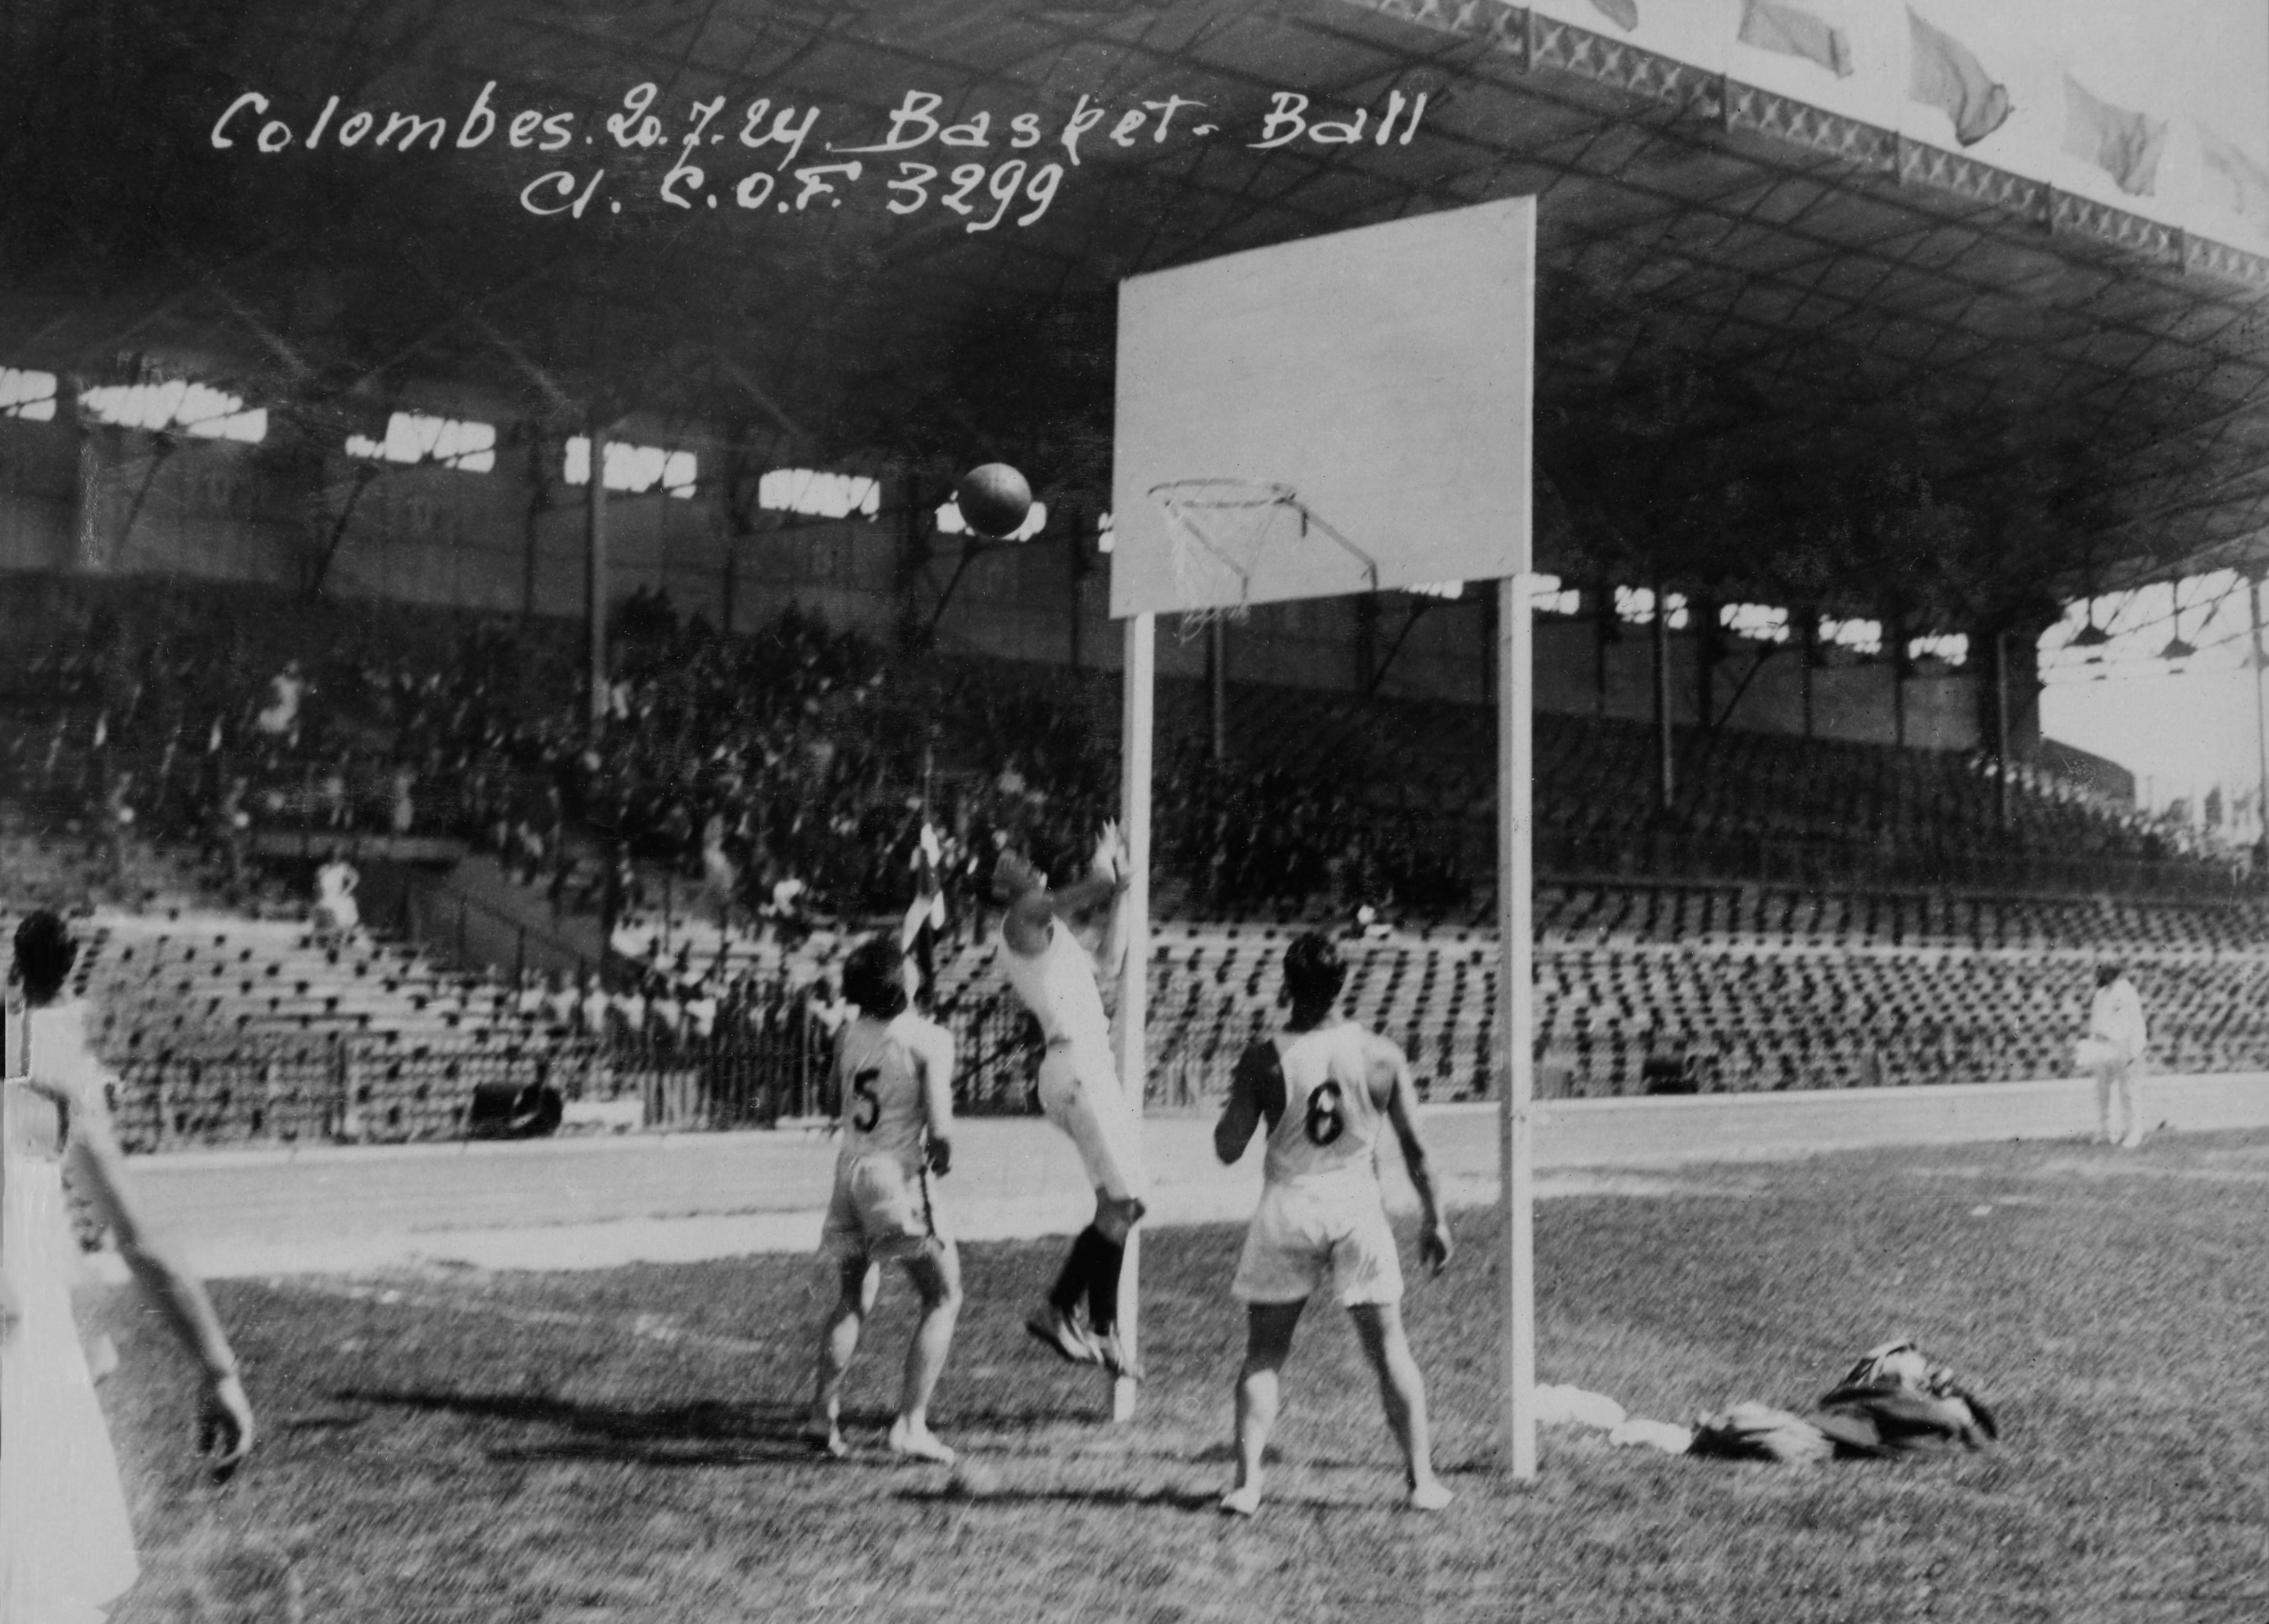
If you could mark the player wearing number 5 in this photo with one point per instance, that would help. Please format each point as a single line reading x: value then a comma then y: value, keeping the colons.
x: 1324, y: 1087
x: 895, y: 1070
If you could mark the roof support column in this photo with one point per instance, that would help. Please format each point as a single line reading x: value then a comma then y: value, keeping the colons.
x: 2255, y: 663
x: 2001, y: 731
x: 595, y: 575
x: 1665, y: 782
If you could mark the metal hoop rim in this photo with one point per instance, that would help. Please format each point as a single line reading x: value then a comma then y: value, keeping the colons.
x: 1251, y: 493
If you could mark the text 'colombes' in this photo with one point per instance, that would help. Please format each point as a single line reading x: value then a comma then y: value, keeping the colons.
x: 633, y: 141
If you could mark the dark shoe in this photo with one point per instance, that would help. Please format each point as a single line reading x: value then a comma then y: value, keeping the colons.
x: 1060, y: 1334
x: 1113, y: 1356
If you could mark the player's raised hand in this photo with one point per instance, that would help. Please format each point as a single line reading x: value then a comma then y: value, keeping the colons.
x: 226, y: 1430
x: 940, y: 1151
x: 1435, y: 1246
x: 1111, y: 856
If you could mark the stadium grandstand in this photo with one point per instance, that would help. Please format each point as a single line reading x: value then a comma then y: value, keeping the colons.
x: 304, y: 557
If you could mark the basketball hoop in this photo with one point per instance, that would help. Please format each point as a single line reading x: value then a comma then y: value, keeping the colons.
x: 1222, y: 529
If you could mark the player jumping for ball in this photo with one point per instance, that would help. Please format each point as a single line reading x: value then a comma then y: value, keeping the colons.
x: 1054, y: 973
x: 895, y: 1070
x: 1323, y: 1086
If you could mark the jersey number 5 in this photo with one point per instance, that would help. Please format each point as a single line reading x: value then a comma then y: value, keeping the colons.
x: 1325, y: 1122
x: 868, y: 1111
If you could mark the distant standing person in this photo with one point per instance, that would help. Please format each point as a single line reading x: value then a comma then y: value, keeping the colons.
x: 337, y: 915
x: 1324, y: 1088
x: 895, y: 1071
x: 2113, y: 1051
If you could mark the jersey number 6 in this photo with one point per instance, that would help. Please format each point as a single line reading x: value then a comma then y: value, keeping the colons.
x: 1324, y: 1121
x: 868, y: 1111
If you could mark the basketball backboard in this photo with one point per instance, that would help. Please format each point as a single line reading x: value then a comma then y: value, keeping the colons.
x: 1344, y: 413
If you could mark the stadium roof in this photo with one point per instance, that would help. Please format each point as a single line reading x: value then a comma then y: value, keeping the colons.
x: 1781, y: 352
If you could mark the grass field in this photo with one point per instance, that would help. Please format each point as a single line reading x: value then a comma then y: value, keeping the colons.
x: 621, y: 1445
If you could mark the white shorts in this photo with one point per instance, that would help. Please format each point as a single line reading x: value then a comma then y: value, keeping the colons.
x: 1303, y: 1235
x: 2094, y: 1054
x: 1080, y: 1094
x: 881, y: 1209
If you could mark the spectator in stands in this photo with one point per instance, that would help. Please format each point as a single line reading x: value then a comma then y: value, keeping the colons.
x: 338, y: 812
x: 665, y: 1015
x: 338, y: 916
x: 2113, y: 1052
x: 718, y: 871
x: 118, y: 827
x: 592, y: 1007
x: 403, y: 813
x: 629, y: 1016
x: 827, y: 1011
x: 232, y: 832
x: 791, y: 925
x: 560, y: 1007
x: 279, y: 718
x: 699, y: 1003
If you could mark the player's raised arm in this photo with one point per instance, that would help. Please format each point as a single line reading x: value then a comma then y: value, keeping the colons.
x: 1390, y: 1076
x: 1033, y: 908
x: 1256, y: 1094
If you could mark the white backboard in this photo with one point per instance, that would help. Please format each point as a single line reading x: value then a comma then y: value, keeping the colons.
x: 1342, y: 414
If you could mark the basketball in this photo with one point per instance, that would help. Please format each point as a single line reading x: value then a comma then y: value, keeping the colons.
x: 994, y: 499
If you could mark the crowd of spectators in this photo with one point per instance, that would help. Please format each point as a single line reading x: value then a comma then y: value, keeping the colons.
x: 789, y: 774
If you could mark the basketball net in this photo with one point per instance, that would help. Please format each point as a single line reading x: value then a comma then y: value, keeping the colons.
x: 1222, y: 529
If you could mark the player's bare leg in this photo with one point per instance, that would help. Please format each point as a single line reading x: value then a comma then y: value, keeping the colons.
x: 1269, y: 1343
x: 936, y: 1274
x: 1378, y: 1327
x: 857, y: 1280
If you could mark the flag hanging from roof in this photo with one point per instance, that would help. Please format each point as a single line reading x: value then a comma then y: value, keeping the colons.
x: 1774, y: 25
x: 1622, y: 13
x: 2248, y: 177
x: 1946, y: 74
x: 2124, y: 144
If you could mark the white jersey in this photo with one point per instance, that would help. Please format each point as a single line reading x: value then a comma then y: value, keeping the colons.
x: 334, y: 883
x: 1058, y: 984
x: 2114, y: 1016
x: 881, y: 1067
x: 1331, y: 1123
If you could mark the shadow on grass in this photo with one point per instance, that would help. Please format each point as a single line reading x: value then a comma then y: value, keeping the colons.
x: 1174, y: 1499
x: 700, y: 1434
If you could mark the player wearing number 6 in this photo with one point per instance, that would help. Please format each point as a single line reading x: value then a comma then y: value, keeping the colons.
x: 895, y: 1071
x: 1324, y: 1087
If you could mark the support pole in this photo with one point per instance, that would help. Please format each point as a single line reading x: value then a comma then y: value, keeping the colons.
x: 1666, y: 781
x: 1217, y: 679
x: 1811, y: 651
x: 1516, y: 1018
x: 1141, y: 677
x: 594, y: 583
x: 2001, y: 731
x: 2260, y: 726
x: 1074, y: 575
